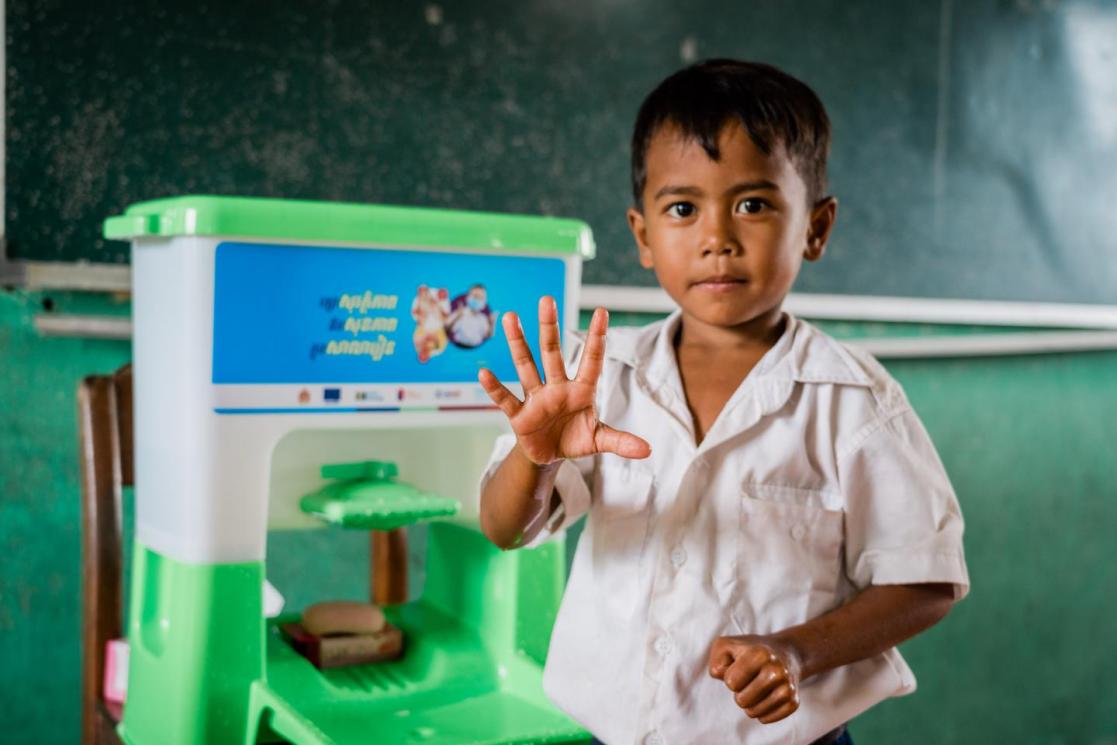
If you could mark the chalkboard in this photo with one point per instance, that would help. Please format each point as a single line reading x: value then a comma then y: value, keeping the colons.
x: 975, y: 143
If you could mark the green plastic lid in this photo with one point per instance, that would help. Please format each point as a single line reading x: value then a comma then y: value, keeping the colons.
x: 288, y: 219
x: 371, y: 499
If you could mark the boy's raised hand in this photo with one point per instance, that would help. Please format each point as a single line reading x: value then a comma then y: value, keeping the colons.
x: 557, y: 418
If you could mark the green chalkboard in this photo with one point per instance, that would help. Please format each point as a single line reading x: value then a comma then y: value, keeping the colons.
x: 974, y: 152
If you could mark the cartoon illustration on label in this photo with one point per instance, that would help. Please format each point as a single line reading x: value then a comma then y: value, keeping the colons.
x: 467, y: 321
x: 430, y: 309
x: 472, y: 322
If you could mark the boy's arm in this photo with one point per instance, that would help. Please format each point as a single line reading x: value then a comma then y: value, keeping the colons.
x: 764, y: 672
x: 877, y: 619
x: 517, y: 500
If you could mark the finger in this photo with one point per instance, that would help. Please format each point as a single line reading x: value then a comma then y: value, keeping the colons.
x: 501, y: 396
x: 625, y: 444
x: 779, y: 696
x: 550, y: 350
x: 767, y: 680
x: 720, y: 660
x: 744, y: 668
x: 521, y: 354
x: 781, y: 713
x: 593, y: 355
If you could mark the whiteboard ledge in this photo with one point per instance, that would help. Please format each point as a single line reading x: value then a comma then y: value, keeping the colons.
x: 84, y: 327
x: 88, y: 276
x: 987, y: 345
x: 66, y: 275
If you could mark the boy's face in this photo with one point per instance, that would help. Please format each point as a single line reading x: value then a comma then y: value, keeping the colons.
x: 726, y: 238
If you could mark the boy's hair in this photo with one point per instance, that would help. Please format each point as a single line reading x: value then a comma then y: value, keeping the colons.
x: 773, y: 107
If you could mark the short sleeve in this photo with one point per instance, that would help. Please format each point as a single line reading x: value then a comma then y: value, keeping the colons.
x: 903, y: 521
x: 572, y: 482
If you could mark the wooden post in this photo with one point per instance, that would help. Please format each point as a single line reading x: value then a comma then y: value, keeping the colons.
x: 389, y: 566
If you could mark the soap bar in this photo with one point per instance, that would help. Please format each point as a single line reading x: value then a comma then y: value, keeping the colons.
x: 343, y: 650
x: 343, y: 617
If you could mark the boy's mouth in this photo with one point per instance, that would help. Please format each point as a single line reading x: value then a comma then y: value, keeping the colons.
x: 720, y: 282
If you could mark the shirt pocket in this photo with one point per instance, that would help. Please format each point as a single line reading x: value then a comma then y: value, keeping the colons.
x: 620, y: 522
x: 789, y: 557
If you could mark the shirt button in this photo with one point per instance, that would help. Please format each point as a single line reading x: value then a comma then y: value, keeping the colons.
x: 654, y: 739
x: 663, y: 645
x: 798, y: 532
x: 678, y: 557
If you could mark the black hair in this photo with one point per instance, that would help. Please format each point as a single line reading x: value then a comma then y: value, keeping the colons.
x: 773, y: 107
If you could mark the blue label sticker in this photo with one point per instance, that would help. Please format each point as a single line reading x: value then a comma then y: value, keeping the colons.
x: 306, y: 314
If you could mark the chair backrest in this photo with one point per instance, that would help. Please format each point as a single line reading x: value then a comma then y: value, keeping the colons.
x: 105, y: 424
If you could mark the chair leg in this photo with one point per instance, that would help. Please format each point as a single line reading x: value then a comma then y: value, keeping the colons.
x: 102, y: 595
x: 104, y: 732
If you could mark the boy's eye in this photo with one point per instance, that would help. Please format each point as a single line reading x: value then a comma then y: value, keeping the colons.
x: 681, y: 209
x: 752, y: 205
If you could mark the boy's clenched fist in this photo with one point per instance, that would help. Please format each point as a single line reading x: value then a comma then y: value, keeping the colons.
x: 762, y: 673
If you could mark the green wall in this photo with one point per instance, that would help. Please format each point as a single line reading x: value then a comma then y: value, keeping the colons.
x: 1027, y: 440
x: 40, y: 531
x: 1028, y: 657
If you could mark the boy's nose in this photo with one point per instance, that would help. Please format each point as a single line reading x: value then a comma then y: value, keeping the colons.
x: 719, y: 237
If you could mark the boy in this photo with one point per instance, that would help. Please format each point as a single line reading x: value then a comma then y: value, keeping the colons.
x: 767, y: 516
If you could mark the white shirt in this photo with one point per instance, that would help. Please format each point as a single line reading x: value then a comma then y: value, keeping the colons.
x: 815, y: 481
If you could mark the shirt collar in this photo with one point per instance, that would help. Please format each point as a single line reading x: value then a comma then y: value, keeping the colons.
x: 803, y: 354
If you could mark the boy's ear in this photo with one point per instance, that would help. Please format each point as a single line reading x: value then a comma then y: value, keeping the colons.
x: 823, y: 215
x: 639, y: 230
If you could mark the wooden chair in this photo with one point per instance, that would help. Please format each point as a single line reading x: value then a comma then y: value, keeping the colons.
x: 105, y: 412
x: 105, y: 424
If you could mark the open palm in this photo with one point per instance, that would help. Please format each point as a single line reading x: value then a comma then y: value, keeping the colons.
x: 557, y: 419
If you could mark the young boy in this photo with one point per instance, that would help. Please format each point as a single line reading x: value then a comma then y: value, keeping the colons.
x: 767, y: 516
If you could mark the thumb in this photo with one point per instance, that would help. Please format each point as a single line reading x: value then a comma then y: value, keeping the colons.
x: 625, y: 444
